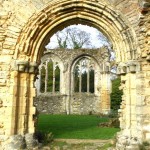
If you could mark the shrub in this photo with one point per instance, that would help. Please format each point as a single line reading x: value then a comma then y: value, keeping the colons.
x: 113, y: 114
x: 116, y: 95
x: 44, y: 137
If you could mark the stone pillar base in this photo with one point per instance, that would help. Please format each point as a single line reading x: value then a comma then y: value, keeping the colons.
x: 17, y: 142
x: 125, y: 142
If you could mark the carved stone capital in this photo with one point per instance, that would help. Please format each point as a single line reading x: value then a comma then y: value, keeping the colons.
x: 22, y: 66
x: 128, y: 67
x: 25, y: 66
x: 122, y: 69
x: 33, y: 67
x: 132, y: 66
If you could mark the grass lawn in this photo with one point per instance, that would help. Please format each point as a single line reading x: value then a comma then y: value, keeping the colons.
x: 75, y: 127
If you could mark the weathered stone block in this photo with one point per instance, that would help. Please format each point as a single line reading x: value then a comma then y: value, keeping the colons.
x: 16, y: 142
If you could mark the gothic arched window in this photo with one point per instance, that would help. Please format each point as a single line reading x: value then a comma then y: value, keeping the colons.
x: 84, y: 75
x: 49, y: 77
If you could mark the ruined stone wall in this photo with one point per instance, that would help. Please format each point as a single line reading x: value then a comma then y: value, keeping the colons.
x: 85, y: 104
x: 66, y: 100
x: 79, y: 103
x: 51, y: 104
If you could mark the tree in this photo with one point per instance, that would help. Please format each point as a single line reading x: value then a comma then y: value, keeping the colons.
x: 62, y: 40
x: 108, y: 44
x: 116, y: 95
x: 111, y: 52
x: 73, y: 38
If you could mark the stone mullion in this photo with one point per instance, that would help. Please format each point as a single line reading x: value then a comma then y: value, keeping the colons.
x: 88, y: 78
x: 80, y: 77
x: 73, y: 82
x: 46, y: 76
x: 54, y: 77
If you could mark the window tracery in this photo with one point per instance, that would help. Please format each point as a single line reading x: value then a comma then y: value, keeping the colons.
x: 49, y: 77
x: 84, y: 75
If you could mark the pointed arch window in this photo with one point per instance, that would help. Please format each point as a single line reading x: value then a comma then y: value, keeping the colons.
x: 84, y: 75
x: 49, y: 77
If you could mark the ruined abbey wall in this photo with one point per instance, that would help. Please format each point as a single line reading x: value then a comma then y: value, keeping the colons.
x: 72, y: 96
x: 25, y: 28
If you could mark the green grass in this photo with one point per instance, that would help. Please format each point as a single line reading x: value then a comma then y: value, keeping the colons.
x: 75, y: 127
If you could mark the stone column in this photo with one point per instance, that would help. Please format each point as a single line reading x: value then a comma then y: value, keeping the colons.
x: 105, y: 88
x: 133, y: 111
x: 21, y: 109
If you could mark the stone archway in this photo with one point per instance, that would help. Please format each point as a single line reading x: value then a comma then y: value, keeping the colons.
x: 25, y: 29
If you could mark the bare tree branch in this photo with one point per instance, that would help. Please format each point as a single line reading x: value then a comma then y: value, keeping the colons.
x: 73, y: 38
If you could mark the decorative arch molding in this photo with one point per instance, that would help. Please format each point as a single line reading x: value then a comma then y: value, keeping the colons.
x: 55, y: 16
x: 85, y: 56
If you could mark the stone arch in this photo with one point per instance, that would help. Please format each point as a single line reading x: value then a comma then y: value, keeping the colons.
x: 80, y: 57
x: 42, y: 25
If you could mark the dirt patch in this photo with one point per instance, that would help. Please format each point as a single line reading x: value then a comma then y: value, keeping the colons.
x: 78, y: 144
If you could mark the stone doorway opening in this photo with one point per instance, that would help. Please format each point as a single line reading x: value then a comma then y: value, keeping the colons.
x: 84, y: 81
